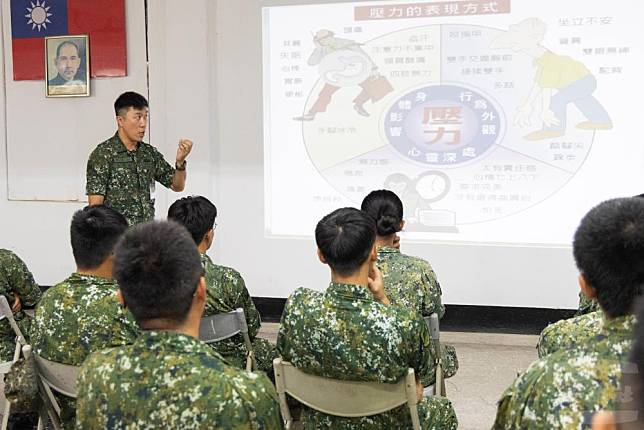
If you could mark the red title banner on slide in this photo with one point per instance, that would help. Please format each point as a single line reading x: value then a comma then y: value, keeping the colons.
x: 434, y: 9
x: 102, y: 20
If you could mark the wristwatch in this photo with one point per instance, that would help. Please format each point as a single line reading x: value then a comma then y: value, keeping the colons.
x: 180, y: 167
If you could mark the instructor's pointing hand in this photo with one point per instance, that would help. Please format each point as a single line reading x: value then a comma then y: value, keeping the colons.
x: 185, y: 146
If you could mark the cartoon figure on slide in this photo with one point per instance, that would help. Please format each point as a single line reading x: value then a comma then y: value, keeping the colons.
x: 559, y: 80
x: 343, y: 63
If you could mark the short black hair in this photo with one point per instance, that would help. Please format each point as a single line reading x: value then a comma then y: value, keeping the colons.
x: 157, y: 267
x: 94, y: 232
x: 67, y: 42
x: 128, y: 100
x: 196, y: 213
x: 386, y: 209
x: 345, y: 238
x: 609, y: 250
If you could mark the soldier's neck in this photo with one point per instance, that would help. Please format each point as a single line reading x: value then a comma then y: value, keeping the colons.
x: 130, y: 145
x: 361, y: 277
x: 387, y: 241
x: 102, y: 271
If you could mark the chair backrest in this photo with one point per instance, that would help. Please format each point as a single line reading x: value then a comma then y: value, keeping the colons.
x: 222, y: 326
x: 343, y: 398
x: 60, y: 377
x: 5, y: 312
x: 433, y: 326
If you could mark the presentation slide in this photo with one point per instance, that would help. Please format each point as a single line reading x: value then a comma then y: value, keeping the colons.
x: 495, y: 122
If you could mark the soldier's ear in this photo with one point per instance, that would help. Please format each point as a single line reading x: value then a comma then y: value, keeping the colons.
x: 588, y: 291
x: 373, y: 256
x: 119, y: 121
x: 321, y: 257
x: 120, y: 298
x: 604, y: 420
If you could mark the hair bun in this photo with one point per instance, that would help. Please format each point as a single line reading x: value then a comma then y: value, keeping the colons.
x: 387, y: 225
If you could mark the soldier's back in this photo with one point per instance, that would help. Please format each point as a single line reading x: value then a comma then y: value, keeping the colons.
x: 410, y: 282
x: 345, y: 334
x: 171, y: 380
x: 569, y: 333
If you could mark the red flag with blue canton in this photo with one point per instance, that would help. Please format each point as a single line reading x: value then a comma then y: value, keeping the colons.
x: 102, y: 20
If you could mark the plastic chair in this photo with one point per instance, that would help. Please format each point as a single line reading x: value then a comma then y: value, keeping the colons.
x: 216, y: 328
x: 343, y: 398
x: 434, y: 334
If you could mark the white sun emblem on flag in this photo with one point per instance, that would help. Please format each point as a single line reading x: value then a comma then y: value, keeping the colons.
x: 38, y: 15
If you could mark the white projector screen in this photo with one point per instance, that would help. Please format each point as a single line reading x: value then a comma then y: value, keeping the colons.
x: 496, y: 122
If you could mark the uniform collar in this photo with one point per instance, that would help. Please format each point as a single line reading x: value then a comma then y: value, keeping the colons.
x: 350, y: 291
x: 624, y: 325
x: 388, y: 250
x: 160, y: 340
x: 78, y: 278
x: 120, y: 146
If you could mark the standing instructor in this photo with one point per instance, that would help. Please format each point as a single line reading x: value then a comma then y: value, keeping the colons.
x: 123, y: 170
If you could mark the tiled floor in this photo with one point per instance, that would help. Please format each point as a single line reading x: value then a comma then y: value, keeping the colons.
x: 488, y: 364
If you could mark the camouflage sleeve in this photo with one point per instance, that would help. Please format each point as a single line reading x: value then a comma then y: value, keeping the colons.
x: 253, y: 319
x: 97, y: 175
x: 284, y: 332
x: 258, y: 392
x: 548, y: 340
x: 21, y: 281
x: 163, y: 171
x: 422, y: 358
x: 432, y: 301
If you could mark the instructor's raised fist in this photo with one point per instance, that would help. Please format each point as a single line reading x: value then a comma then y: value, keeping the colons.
x: 184, y: 148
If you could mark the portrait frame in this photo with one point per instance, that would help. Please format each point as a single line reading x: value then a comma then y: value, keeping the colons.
x: 67, y: 75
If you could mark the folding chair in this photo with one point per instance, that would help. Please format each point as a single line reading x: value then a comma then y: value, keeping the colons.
x: 5, y: 312
x: 216, y: 328
x: 343, y: 398
x: 57, y: 377
x: 434, y: 334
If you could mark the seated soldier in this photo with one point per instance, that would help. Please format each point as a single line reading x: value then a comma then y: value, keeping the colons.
x: 82, y: 314
x: 565, y: 388
x: 569, y: 333
x: 225, y: 288
x: 351, y: 331
x: 168, y: 378
x: 629, y: 413
x: 18, y: 286
x: 409, y: 281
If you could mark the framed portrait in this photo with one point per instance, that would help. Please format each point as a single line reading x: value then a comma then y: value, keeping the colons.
x: 67, y: 66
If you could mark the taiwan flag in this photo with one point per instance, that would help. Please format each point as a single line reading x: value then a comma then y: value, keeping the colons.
x: 102, y: 20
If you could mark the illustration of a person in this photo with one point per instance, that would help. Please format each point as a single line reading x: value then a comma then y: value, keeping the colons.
x: 360, y: 63
x: 68, y: 61
x: 559, y: 80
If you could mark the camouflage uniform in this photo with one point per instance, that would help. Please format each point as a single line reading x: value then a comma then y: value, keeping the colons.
x: 345, y: 333
x: 565, y: 389
x: 569, y: 333
x: 586, y: 305
x: 225, y: 292
x: 127, y: 178
x: 15, y: 278
x: 76, y: 317
x: 410, y: 282
x: 171, y: 380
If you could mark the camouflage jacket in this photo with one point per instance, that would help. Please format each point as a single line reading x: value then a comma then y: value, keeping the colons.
x: 570, y: 333
x: 225, y: 292
x: 15, y: 278
x: 564, y: 389
x: 79, y: 316
x: 344, y: 333
x: 127, y: 178
x: 171, y: 380
x: 410, y: 282
x: 586, y: 305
